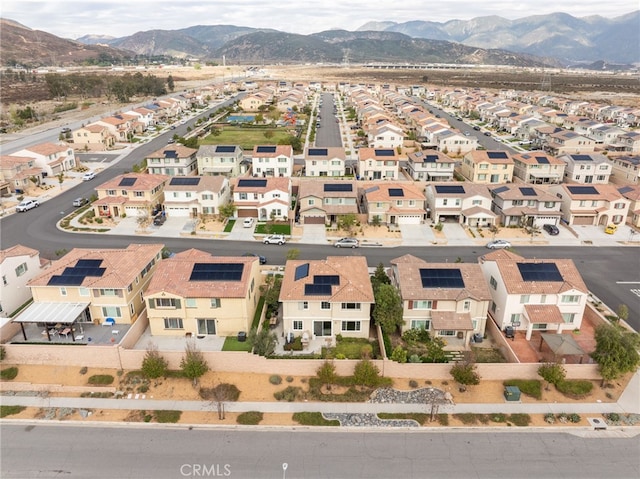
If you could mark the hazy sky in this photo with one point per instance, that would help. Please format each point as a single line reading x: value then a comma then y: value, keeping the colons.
x: 72, y: 19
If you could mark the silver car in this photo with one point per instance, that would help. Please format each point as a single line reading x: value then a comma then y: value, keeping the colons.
x: 347, y: 243
x: 498, y: 244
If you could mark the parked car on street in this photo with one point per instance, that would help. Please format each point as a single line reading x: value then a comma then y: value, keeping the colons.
x: 89, y: 175
x: 347, y: 243
x: 551, y: 229
x: 26, y: 205
x: 498, y: 244
x: 274, y: 239
x: 261, y: 258
x: 80, y: 202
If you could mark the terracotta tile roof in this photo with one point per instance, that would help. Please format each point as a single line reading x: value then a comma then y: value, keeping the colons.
x: 450, y: 320
x: 333, y: 152
x: 543, y: 313
x: 273, y: 183
x: 47, y: 149
x: 529, y: 158
x: 172, y: 276
x: 370, y: 154
x: 353, y: 272
x: 122, y: 265
x: 514, y: 192
x: 603, y: 192
x: 380, y: 192
x: 315, y: 188
x: 483, y: 156
x: 144, y: 182
x: 94, y: 128
x: 17, y: 250
x: 280, y: 150
x: 9, y: 161
x: 206, y: 183
x: 181, y: 150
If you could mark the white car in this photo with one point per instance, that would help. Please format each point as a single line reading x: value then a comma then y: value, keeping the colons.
x: 247, y: 223
x: 26, y: 205
x: 274, y: 239
x: 89, y: 175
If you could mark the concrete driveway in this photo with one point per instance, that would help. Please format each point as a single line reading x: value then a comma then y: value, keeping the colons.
x: 416, y: 235
x: 596, y: 236
x: 456, y: 235
x: 240, y: 233
x: 314, y: 234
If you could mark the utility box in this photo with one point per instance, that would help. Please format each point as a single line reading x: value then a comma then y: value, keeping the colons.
x: 512, y: 393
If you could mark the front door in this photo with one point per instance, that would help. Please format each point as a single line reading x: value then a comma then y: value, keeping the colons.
x: 322, y: 328
x: 206, y: 326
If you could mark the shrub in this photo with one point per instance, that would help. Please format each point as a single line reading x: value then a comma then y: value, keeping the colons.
x: 414, y: 358
x: 467, y: 418
x: 167, y: 416
x: 413, y: 384
x: 549, y: 418
x: 340, y: 356
x: 575, y: 388
x: 574, y: 418
x: 3, y: 353
x: 443, y: 419
x: 388, y: 349
x: 416, y: 336
x: 221, y: 393
x: 9, y: 373
x: 366, y: 351
x: 10, y: 410
x: 289, y: 394
x: 313, y: 419
x: 465, y: 374
x: 520, y: 419
x: 154, y: 365
x: 399, y: 355
x: 83, y: 370
x: 100, y: 379
x: 249, y: 418
x: 143, y: 389
x: 498, y: 417
x: 193, y: 364
x: 530, y: 387
x: 147, y: 418
x: 327, y: 373
x: 275, y: 379
x: 612, y: 416
x: 289, y: 379
x: 552, y: 373
x: 366, y: 374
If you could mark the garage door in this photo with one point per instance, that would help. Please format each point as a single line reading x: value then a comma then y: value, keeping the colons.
x: 409, y: 220
x: 314, y: 220
x: 177, y: 212
x: 247, y: 213
x: 583, y: 220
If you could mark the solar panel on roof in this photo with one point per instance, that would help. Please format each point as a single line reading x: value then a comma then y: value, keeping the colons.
x: 65, y: 280
x: 396, y: 192
x: 266, y: 149
x: 317, y: 290
x: 581, y: 158
x: 384, y: 152
x: 499, y: 190
x: 430, y: 159
x: 338, y: 187
x: 449, y: 189
x: 441, y: 278
x: 216, y: 272
x: 332, y: 279
x: 539, y: 272
x: 302, y: 271
x: 318, y: 152
x: 543, y: 160
x: 372, y: 189
x: 88, y: 263
x: 497, y: 155
x: 625, y: 189
x: 528, y: 192
x: 170, y: 154
x: 582, y: 190
x: 127, y: 181
x: 252, y: 183
x: 225, y: 149
x: 184, y: 181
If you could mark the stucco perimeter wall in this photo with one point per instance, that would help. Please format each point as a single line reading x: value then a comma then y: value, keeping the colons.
x: 501, y: 341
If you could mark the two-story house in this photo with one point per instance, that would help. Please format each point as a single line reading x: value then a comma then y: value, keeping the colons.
x: 592, y: 168
x: 19, y: 265
x: 538, y: 168
x: 272, y: 160
x: 94, y: 137
x: 20, y: 173
x: 625, y: 170
x: 131, y: 194
x: 465, y: 203
x: 386, y: 135
x: 173, y: 160
x: 487, y: 167
x: 195, y: 293
x: 632, y: 193
x: 394, y: 204
x: 194, y: 196
x: 430, y: 165
x: 323, y: 298
x: 213, y: 160
x: 52, y: 158
x: 323, y: 202
x: 534, y: 294
x: 569, y: 142
x: 378, y: 163
x: 525, y: 206
x: 92, y: 285
x: 263, y: 198
x: 329, y: 161
x: 591, y: 205
x: 450, y: 300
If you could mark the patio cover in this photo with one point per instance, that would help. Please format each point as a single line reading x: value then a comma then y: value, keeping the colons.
x: 450, y: 320
x: 561, y: 344
x: 51, y: 313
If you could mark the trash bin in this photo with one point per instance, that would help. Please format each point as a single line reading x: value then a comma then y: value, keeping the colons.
x: 512, y: 393
x: 242, y: 337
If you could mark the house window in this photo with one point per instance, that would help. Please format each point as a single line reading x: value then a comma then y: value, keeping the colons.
x: 446, y: 332
x: 420, y: 324
x: 524, y: 298
x: 351, y: 306
x: 107, y: 292
x: 138, y: 194
x: 243, y: 196
x: 132, y: 309
x: 111, y: 312
x: 618, y: 206
x: 21, y: 269
x: 63, y: 291
x: 427, y: 304
x: 539, y: 326
x: 476, y: 202
x: 543, y: 298
x: 568, y: 317
x: 493, y: 283
x: 570, y: 298
x: 4, y: 280
x: 515, y: 318
x: 297, y: 325
x: 166, y: 303
x: 215, y: 302
x: 303, y: 305
x: 350, y: 325
x: 325, y: 305
x: 466, y: 306
x: 83, y: 292
x: 190, y: 302
x: 206, y: 326
x: 173, y: 323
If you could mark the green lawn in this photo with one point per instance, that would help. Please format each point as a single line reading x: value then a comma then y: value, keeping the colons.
x: 247, y: 138
x: 229, y: 226
x: 231, y: 343
x: 280, y: 229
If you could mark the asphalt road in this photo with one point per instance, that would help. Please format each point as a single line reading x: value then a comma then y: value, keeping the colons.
x: 44, y: 451
x: 329, y: 133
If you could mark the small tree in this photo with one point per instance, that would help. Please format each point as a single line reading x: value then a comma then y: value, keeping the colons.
x: 153, y: 365
x: 616, y: 351
x: 227, y: 211
x: 623, y: 312
x: 263, y: 341
x: 327, y: 374
x: 552, y: 373
x: 293, y: 253
x: 143, y: 219
x: 435, y: 351
x: 366, y: 374
x: 193, y: 364
x: 170, y: 83
x: 388, y: 308
x: 379, y: 277
x: 399, y: 354
x: 493, y: 229
x: 465, y: 374
x: 60, y: 177
x: 376, y: 221
x: 347, y: 222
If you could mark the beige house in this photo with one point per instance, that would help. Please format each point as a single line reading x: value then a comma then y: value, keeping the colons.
x: 94, y: 137
x: 329, y: 161
x: 632, y: 193
x: 430, y: 165
x: 487, y: 167
x: 213, y: 160
x: 19, y: 265
x: 272, y: 160
x: 450, y: 300
x: 254, y: 101
x: 132, y: 194
x: 20, y: 173
x: 625, y: 170
x: 569, y: 142
x: 518, y: 205
x: 592, y: 168
x: 323, y: 298
x: 323, y: 202
x: 538, y: 168
x: 173, y: 160
x: 195, y: 293
x: 394, y: 204
x: 95, y: 284
x: 463, y: 202
x: 378, y: 164
x: 591, y: 205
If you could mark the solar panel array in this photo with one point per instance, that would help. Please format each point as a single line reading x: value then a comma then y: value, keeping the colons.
x: 170, y: 154
x: 75, y: 275
x: 441, y: 278
x: 384, y: 152
x: 302, y: 271
x: 225, y: 149
x: 318, y: 152
x: 317, y: 290
x: 497, y: 155
x: 450, y: 189
x: 582, y: 190
x: 430, y: 159
x: 252, y: 183
x: 581, y: 158
x: 501, y: 189
x: 328, y: 187
x: 266, y: 149
x: 184, y: 181
x: 127, y: 181
x: 216, y: 272
x: 539, y: 272
x: 332, y: 279
x: 396, y: 192
x: 528, y: 192
x: 542, y: 160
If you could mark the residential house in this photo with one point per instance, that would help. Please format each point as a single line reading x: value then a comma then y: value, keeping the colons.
x: 195, y: 293
x: 272, y: 160
x: 20, y: 173
x: 453, y: 142
x: 378, y: 163
x: 632, y: 193
x: 94, y: 137
x: 538, y: 168
x: 323, y: 298
x: 52, y: 158
x: 625, y: 169
x: 628, y: 142
x: 386, y: 135
x: 195, y: 196
x: 263, y: 198
x: 487, y: 167
x: 525, y: 206
x: 143, y: 115
x: 173, y: 160
x: 254, y: 101
x: 591, y: 205
x: 91, y: 285
x: 131, y: 194
x: 394, y: 204
x: 450, y: 300
x: 328, y: 161
x: 122, y: 126
x: 215, y: 160
x: 19, y: 265
x: 430, y: 165
x: 592, y: 168
x: 569, y: 142
x: 324, y: 202
x: 465, y: 203
x: 534, y: 294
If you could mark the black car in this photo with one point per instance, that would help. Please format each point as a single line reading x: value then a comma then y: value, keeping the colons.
x: 159, y: 219
x: 262, y: 259
x: 551, y: 229
x: 477, y: 128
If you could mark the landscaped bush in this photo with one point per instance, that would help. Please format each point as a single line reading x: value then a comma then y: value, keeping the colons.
x: 289, y: 394
x: 575, y: 388
x: 418, y: 417
x: 249, y: 418
x: 612, y: 416
x: 574, y: 418
x: 222, y: 392
x: 520, y: 419
x: 275, y: 379
x: 530, y: 387
x: 10, y: 410
x: 443, y: 419
x: 498, y: 417
x: 295, y: 345
x: 367, y: 374
x: 416, y: 336
x: 289, y: 379
x: 167, y: 416
x: 413, y: 384
x: 467, y: 418
x: 549, y: 418
x: 414, y: 358
x: 399, y: 355
x: 3, y: 353
x: 313, y: 419
x: 9, y: 373
x: 388, y: 348
x: 100, y: 379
